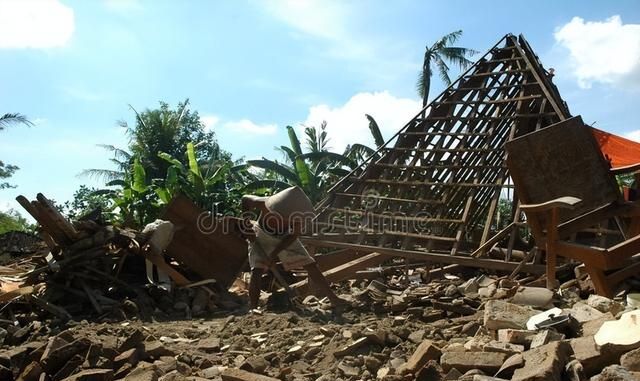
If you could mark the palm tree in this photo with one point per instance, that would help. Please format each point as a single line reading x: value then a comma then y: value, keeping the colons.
x: 9, y: 119
x: 122, y: 160
x: 7, y: 170
x: 437, y: 54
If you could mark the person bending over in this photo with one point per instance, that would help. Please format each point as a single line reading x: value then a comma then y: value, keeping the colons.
x: 283, y: 218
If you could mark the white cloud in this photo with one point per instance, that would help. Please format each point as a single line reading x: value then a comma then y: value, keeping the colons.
x: 209, y: 121
x: 39, y: 121
x: 246, y: 126
x: 319, y: 18
x: 633, y: 135
x: 602, y: 51
x: 37, y: 24
x: 327, y: 20
x: 347, y: 124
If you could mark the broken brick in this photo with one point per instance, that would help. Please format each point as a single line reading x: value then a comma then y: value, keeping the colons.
x: 426, y: 351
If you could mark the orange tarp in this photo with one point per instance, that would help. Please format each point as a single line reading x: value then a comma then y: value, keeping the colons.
x: 618, y: 150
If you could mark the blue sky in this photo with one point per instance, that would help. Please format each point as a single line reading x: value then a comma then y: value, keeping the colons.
x: 252, y: 67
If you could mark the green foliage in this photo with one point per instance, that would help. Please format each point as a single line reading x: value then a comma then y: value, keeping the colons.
x: 13, y: 221
x: 169, y: 130
x: 439, y: 54
x: 169, y: 152
x: 215, y: 183
x: 87, y: 199
x: 136, y: 200
x: 504, y: 213
x: 314, y: 171
x: 6, y: 171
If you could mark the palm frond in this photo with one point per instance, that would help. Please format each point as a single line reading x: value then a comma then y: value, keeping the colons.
x: 443, y: 70
x: 13, y: 118
x: 458, y: 56
x: 424, y: 74
x: 448, y: 39
x: 118, y: 153
x: 105, y: 175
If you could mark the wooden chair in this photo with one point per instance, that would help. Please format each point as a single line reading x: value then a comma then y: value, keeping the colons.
x: 566, y: 186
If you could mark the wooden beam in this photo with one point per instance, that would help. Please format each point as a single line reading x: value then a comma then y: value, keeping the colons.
x: 344, y: 271
x: 466, y: 260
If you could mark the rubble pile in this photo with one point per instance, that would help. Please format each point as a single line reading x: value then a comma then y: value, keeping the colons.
x: 482, y: 328
x: 89, y: 269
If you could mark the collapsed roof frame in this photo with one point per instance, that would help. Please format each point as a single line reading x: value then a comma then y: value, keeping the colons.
x: 433, y: 191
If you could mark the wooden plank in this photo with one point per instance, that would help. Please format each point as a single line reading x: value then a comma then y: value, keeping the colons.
x: 465, y: 260
x: 335, y: 258
x: 60, y: 221
x: 47, y: 227
x: 394, y: 217
x: 343, y: 272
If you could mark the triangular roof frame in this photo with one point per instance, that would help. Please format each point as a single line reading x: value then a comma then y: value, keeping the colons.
x: 434, y: 192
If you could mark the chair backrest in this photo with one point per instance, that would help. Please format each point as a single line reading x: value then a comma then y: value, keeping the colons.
x: 563, y: 159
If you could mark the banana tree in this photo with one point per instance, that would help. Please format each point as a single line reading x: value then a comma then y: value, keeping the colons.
x: 360, y: 152
x: 313, y: 171
x: 207, y: 184
x: 135, y: 201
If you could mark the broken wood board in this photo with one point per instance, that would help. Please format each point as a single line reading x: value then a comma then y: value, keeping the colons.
x: 344, y: 271
x: 212, y: 248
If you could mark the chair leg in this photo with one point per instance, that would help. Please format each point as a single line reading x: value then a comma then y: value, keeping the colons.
x: 600, y: 282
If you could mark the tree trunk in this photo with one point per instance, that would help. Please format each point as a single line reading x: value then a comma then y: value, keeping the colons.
x: 426, y: 83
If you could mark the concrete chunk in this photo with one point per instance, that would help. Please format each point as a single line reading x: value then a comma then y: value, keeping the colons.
x: 592, y: 359
x: 241, y: 375
x: 92, y: 375
x: 516, y: 336
x: 488, y: 362
x: 499, y: 346
x: 545, y: 337
x: 544, y: 363
x: 604, y: 304
x: 209, y: 345
x: 622, y: 334
x: 631, y: 360
x: 499, y: 314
